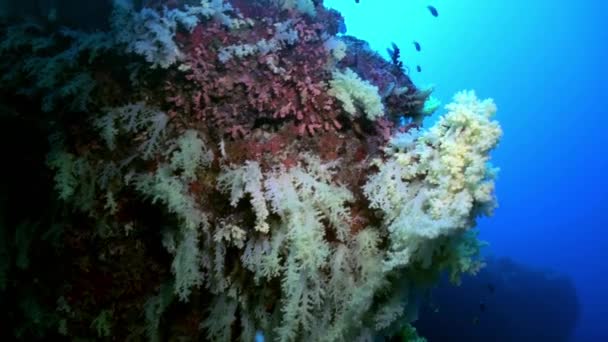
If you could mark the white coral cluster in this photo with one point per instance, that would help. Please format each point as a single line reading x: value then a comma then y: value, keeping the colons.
x: 284, y: 35
x: 133, y: 118
x: 356, y: 94
x: 151, y: 34
x: 295, y: 248
x: 303, y: 6
x: 337, y: 47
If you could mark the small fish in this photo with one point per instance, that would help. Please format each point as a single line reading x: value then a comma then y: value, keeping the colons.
x: 418, y: 68
x: 482, y: 307
x: 491, y: 287
x: 417, y: 45
x: 433, y: 10
x: 475, y: 320
x: 356, y: 1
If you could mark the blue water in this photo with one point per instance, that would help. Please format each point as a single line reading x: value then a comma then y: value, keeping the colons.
x: 544, y: 63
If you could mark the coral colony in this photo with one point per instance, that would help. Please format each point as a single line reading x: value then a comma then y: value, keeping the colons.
x: 233, y: 168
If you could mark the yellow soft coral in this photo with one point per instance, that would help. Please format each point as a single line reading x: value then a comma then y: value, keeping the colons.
x: 435, y: 183
x: 463, y: 139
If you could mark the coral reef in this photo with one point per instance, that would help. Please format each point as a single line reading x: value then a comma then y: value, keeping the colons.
x: 226, y: 168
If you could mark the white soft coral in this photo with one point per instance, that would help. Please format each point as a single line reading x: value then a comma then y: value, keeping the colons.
x: 151, y: 33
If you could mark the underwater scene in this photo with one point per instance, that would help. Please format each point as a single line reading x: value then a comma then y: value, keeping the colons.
x: 303, y: 170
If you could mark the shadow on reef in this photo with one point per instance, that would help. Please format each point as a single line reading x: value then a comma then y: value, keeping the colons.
x: 506, y: 301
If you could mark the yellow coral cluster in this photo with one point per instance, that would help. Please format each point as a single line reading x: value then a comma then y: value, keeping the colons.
x: 435, y: 183
x: 462, y: 140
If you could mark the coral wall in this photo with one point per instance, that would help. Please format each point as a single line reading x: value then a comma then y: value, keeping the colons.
x: 227, y: 168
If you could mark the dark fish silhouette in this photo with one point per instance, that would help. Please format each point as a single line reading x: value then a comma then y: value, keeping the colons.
x: 417, y: 45
x: 491, y: 287
x: 357, y: 1
x: 418, y: 68
x: 482, y: 307
x: 433, y: 10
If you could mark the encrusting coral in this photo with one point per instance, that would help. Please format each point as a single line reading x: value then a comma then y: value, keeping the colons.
x: 238, y: 168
